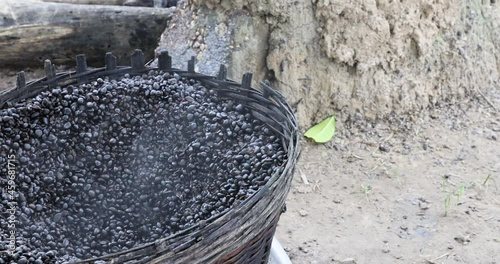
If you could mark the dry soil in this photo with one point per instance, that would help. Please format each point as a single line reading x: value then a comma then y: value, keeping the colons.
x: 426, y: 191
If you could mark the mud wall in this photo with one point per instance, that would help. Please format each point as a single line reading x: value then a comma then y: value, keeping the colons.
x: 361, y: 58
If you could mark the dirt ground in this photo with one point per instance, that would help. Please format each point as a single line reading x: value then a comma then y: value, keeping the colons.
x: 426, y: 191
x: 396, y: 191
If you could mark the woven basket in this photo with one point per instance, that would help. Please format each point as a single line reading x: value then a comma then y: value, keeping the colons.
x: 241, y: 234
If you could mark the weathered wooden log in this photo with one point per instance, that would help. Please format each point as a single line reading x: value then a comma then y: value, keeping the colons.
x: 149, y: 3
x: 88, y: 2
x: 33, y: 31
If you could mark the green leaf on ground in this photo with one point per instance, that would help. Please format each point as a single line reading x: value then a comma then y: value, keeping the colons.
x: 323, y: 131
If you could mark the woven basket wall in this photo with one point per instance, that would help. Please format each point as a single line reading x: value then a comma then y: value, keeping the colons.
x: 242, y: 234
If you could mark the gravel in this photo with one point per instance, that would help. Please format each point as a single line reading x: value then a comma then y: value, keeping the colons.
x: 109, y: 165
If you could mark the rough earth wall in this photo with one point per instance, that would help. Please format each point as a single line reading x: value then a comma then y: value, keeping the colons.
x: 361, y: 58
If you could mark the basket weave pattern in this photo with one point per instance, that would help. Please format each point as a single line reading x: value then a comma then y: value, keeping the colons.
x: 242, y: 234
